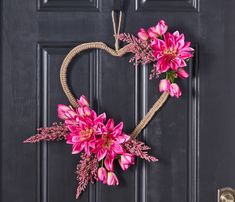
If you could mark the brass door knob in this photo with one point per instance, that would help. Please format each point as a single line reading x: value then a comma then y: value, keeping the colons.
x: 226, y: 195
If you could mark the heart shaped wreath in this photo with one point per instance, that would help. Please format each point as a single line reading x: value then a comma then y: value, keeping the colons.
x: 99, y: 141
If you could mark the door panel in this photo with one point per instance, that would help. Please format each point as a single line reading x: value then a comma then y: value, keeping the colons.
x: 192, y: 136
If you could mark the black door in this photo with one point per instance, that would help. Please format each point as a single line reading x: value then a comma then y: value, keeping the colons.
x: 193, y: 136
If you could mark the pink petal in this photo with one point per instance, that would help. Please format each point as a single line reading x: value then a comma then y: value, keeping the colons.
x: 142, y: 34
x: 175, y: 63
x: 77, y: 148
x: 123, y: 166
x: 175, y: 90
x: 112, y: 179
x: 185, y: 55
x: 62, y: 115
x: 87, y: 111
x: 80, y: 111
x: 102, y: 174
x: 176, y: 33
x: 101, y: 154
x: 70, y: 122
x: 161, y: 27
x: 75, y: 139
x: 117, y: 149
x: 87, y: 148
x: 122, y: 138
x: 152, y: 32
x: 83, y: 101
x: 180, y: 41
x: 183, y: 63
x: 61, y: 111
x: 108, y: 162
x: 69, y: 139
x: 119, y: 127
x: 162, y: 65
x: 101, y: 118
x: 72, y: 128
x: 110, y: 124
x: 182, y: 73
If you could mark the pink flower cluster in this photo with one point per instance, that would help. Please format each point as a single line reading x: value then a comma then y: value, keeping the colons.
x: 169, y: 52
x: 94, y: 136
x: 100, y: 143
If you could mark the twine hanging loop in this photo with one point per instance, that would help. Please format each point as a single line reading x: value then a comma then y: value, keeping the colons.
x: 116, y: 28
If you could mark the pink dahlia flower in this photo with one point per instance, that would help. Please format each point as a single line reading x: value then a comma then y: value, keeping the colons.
x: 83, y: 125
x: 108, y: 146
x: 171, y: 52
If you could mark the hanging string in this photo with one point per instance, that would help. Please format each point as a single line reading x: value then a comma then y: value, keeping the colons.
x: 116, y: 29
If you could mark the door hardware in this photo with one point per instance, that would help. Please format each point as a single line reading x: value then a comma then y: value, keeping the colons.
x: 226, y: 194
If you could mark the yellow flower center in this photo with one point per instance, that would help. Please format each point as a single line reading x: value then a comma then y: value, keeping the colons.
x: 107, y: 142
x: 86, y: 134
x: 170, y: 52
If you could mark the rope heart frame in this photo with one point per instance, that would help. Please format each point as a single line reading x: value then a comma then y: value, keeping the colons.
x: 116, y: 53
x: 98, y: 141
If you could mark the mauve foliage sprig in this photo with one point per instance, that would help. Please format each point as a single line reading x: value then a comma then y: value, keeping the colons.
x: 54, y: 132
x: 86, y: 172
x: 143, y: 52
x: 139, y: 149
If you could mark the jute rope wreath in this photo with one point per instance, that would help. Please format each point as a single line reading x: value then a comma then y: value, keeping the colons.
x: 98, y: 140
x: 117, y: 53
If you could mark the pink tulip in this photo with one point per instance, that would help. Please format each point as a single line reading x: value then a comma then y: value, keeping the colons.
x: 175, y: 90
x: 124, y: 166
x: 102, y: 174
x: 126, y: 160
x: 182, y: 73
x: 112, y: 179
x: 161, y: 27
x: 152, y: 32
x: 142, y: 34
x: 164, y: 85
x: 158, y: 30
